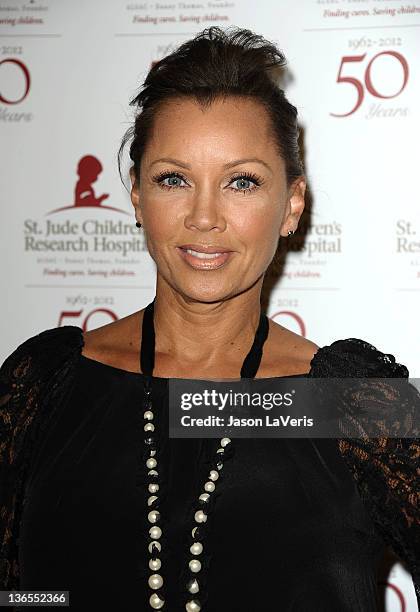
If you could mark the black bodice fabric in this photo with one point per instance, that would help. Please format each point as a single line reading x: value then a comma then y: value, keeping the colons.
x: 289, y: 530
x: 295, y: 524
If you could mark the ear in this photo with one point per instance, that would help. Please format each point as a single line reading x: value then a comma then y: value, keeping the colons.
x: 295, y: 206
x: 135, y: 195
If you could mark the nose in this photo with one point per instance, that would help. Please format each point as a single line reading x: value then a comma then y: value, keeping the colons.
x: 205, y: 212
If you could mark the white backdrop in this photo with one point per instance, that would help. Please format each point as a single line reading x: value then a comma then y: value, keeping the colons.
x: 67, y: 72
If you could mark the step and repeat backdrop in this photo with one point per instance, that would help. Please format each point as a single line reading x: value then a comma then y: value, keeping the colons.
x: 71, y: 253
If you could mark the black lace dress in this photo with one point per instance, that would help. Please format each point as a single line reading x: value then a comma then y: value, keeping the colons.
x: 296, y: 525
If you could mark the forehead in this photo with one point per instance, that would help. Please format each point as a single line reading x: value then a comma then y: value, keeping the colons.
x: 229, y: 128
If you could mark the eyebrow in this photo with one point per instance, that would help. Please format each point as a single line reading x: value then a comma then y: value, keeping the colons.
x: 236, y: 162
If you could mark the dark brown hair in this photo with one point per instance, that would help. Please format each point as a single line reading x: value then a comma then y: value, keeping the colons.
x: 218, y: 63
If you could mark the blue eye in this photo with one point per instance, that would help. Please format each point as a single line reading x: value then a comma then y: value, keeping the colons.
x: 243, y: 179
x: 171, y: 176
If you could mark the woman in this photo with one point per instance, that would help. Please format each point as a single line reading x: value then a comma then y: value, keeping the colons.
x: 97, y: 499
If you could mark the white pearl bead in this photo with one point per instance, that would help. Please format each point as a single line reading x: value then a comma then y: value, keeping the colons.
x: 219, y: 465
x: 148, y: 415
x: 156, y: 602
x: 154, y: 545
x: 153, y: 516
x: 225, y: 441
x: 196, y: 548
x: 193, y: 606
x: 204, y: 497
x: 155, y: 564
x: 152, y: 473
x: 220, y: 450
x: 155, y: 581
x: 193, y: 587
x: 194, y: 529
x: 151, y: 499
x: 194, y: 565
x: 152, y: 453
x: 151, y: 462
x: 200, y: 517
x: 155, y: 532
x: 153, y: 487
x: 209, y: 486
x: 214, y: 475
x: 149, y: 427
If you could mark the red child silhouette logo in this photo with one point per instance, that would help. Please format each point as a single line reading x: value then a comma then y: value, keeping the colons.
x: 88, y: 170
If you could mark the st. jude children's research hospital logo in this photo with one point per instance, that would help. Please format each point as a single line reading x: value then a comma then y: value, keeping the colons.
x: 88, y: 224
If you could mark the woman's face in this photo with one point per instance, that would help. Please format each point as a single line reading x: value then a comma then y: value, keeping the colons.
x: 214, y: 178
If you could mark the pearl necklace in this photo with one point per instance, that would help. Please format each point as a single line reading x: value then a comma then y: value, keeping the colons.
x: 157, y: 599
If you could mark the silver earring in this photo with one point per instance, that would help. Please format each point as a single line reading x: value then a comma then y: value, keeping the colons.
x: 290, y: 232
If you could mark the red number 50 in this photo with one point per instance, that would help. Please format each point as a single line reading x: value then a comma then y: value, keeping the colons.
x: 368, y: 79
x: 77, y: 313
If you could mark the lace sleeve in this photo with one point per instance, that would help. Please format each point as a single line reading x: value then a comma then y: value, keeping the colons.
x: 386, y: 469
x: 30, y: 377
x: 387, y: 474
x: 18, y: 403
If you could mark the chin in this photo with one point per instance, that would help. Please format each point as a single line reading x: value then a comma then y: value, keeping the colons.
x: 206, y: 295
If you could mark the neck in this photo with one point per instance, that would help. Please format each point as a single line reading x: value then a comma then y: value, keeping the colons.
x: 198, y: 337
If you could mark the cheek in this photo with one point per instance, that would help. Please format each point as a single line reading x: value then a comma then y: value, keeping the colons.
x: 259, y: 232
x: 161, y: 222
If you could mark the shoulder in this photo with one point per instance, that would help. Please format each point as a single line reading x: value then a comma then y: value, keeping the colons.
x: 41, y: 354
x: 116, y: 343
x: 287, y: 352
x: 377, y: 400
x: 26, y: 375
x: 355, y: 357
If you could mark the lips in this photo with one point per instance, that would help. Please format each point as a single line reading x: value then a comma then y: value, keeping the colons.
x: 205, y: 248
x: 204, y: 257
